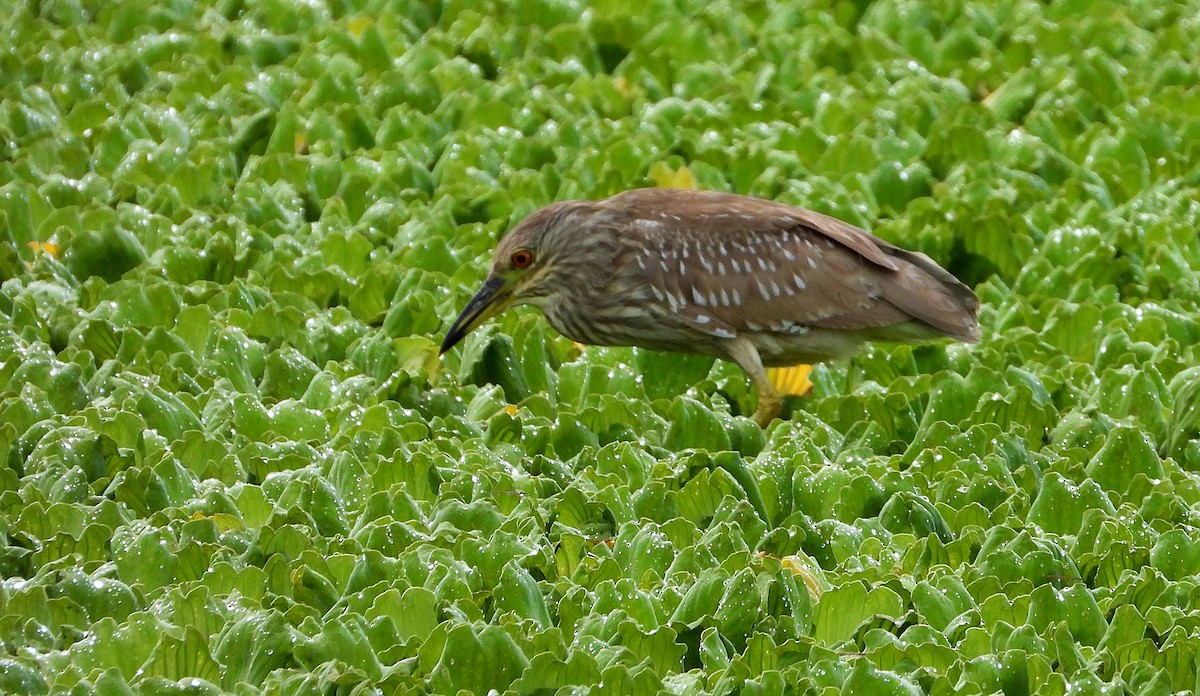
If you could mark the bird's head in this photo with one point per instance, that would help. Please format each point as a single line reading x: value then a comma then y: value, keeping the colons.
x: 531, y: 265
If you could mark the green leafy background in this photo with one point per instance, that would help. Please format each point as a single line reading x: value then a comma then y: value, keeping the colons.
x: 232, y: 461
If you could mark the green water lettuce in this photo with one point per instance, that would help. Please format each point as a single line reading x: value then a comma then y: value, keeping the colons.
x: 232, y: 460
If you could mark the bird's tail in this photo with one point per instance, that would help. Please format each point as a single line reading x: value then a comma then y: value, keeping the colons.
x: 932, y: 295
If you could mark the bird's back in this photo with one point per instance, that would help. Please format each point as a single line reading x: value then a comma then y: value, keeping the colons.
x: 730, y: 265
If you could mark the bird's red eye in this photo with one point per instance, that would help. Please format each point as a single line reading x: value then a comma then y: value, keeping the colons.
x: 521, y: 258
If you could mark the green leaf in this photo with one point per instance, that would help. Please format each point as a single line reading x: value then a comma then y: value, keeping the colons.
x: 519, y: 593
x: 702, y: 598
x: 345, y: 640
x: 477, y: 662
x: 866, y: 679
x: 125, y: 647
x: 251, y: 646
x: 17, y: 678
x: 372, y: 293
x: 144, y: 557
x: 740, y: 606
x: 906, y: 511
x: 643, y: 549
x: 548, y: 671
x: 414, y: 611
x: 108, y: 253
x: 1075, y: 605
x: 695, y: 427
x: 1126, y: 453
x: 185, y: 658
x: 99, y: 597
x: 1060, y: 504
x: 1184, y: 419
x: 666, y: 375
x: 494, y: 361
x: 1012, y: 100
x: 1176, y: 554
x: 287, y: 374
x: 841, y: 610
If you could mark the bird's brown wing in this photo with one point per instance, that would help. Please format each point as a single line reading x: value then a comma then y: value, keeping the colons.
x: 732, y: 264
x: 715, y: 213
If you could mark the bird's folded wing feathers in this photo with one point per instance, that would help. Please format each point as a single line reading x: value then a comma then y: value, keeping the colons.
x: 765, y: 282
x: 708, y: 213
x: 729, y: 263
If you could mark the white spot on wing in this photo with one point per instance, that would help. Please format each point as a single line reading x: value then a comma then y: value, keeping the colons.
x: 812, y: 263
x: 699, y: 299
x: 792, y: 327
x: 798, y: 280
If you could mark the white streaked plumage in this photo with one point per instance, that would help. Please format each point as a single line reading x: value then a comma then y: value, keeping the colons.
x: 774, y: 284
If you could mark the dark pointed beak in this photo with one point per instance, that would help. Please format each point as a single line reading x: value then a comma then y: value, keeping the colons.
x: 491, y: 299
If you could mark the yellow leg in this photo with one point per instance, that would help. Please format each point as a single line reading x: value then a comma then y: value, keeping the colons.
x: 742, y: 352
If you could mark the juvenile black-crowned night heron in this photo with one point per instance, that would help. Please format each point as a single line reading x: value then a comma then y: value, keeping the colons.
x: 740, y: 278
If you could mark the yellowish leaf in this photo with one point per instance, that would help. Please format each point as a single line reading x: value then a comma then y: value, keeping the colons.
x: 809, y: 573
x: 49, y: 248
x: 417, y: 353
x: 358, y: 24
x: 665, y: 177
x: 791, y: 380
x: 226, y: 522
